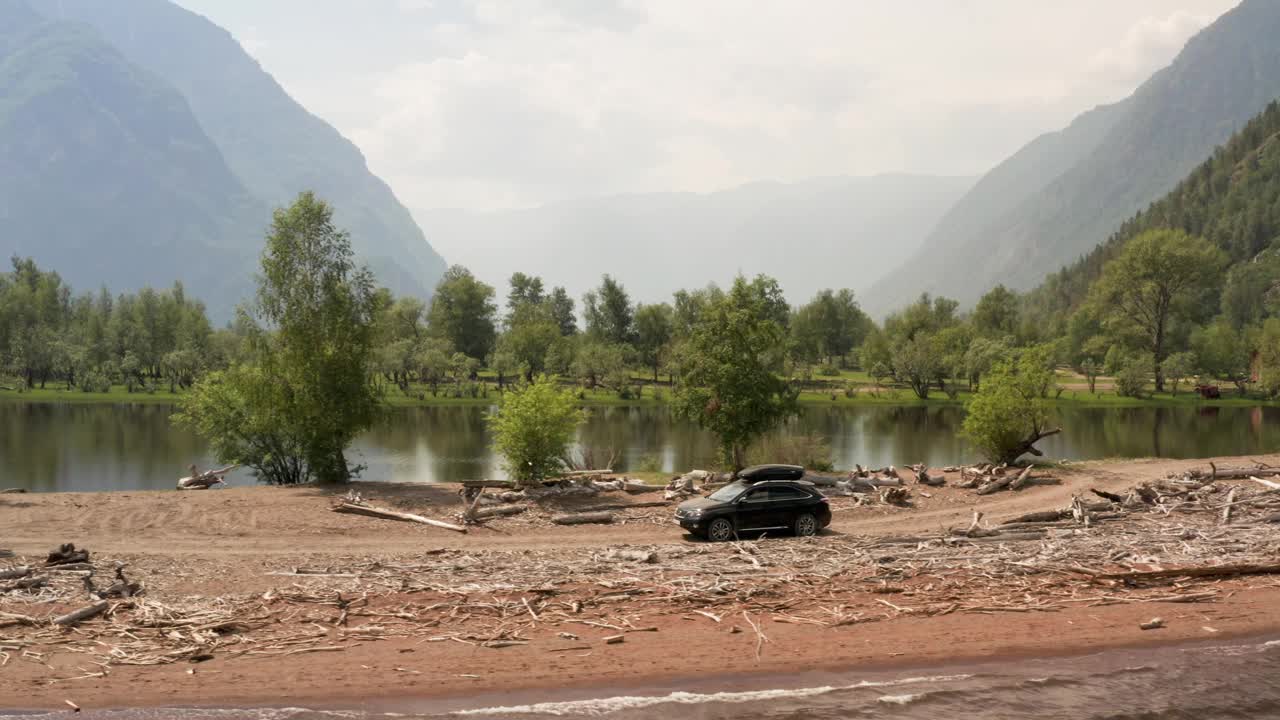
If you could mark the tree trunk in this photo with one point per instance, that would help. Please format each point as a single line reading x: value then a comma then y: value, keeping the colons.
x: 1158, y: 356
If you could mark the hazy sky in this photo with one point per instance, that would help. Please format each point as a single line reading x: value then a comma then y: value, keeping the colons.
x: 486, y: 104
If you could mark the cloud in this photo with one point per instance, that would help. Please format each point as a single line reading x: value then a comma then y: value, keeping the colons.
x: 1151, y: 43
x: 510, y: 103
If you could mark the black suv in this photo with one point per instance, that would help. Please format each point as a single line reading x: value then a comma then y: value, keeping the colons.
x: 767, y: 497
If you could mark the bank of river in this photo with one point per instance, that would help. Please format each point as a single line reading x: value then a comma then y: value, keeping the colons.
x: 82, y: 447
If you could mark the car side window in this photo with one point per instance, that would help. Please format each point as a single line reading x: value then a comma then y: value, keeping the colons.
x: 786, y: 493
x: 756, y: 496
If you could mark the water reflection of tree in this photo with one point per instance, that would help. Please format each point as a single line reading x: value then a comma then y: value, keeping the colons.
x: 94, y: 447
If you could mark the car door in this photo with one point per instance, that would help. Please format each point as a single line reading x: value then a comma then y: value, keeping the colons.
x: 755, y: 510
x: 787, y: 502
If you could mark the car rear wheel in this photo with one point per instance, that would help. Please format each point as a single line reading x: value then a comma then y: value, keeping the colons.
x: 806, y: 525
x: 720, y: 530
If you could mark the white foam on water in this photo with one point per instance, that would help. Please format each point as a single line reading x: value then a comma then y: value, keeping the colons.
x: 899, y: 699
x: 605, y: 706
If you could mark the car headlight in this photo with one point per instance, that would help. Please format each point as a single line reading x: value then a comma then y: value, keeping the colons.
x: 693, y: 513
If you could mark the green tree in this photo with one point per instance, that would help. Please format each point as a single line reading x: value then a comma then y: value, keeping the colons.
x: 531, y: 333
x: 1269, y: 357
x: 729, y: 371
x: 1178, y: 367
x: 609, y: 313
x: 562, y: 312
x: 654, y: 327
x: 996, y: 314
x: 533, y: 429
x: 292, y: 414
x: 830, y: 326
x: 1248, y: 285
x: 524, y: 290
x: 918, y: 363
x: 1158, y: 277
x: 598, y: 363
x: 463, y: 313
x: 1224, y: 352
x: 1009, y: 415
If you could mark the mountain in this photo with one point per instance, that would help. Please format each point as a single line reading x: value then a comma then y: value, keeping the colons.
x: 1232, y: 200
x: 821, y: 233
x: 108, y: 177
x: 1080, y: 184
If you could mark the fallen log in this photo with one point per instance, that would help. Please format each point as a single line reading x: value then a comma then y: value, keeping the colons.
x: 382, y: 513
x: 924, y: 478
x: 1226, y: 510
x: 203, y: 481
x: 13, y: 491
x: 996, y: 485
x: 624, y: 506
x: 12, y: 573
x: 1021, y: 480
x: 1204, y: 571
x: 82, y: 614
x: 27, y: 583
x: 1042, y: 516
x: 591, y: 518
x: 488, y: 484
x: 1107, y: 496
x: 1265, y: 483
x: 498, y: 511
x: 1217, y: 473
x: 12, y: 619
x: 1002, y: 537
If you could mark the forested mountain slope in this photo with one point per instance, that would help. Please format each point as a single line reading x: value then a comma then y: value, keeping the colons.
x: 274, y: 146
x: 1137, y: 151
x: 1232, y: 200
x: 106, y: 172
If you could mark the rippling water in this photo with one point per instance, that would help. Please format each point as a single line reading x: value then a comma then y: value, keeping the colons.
x: 1204, y: 682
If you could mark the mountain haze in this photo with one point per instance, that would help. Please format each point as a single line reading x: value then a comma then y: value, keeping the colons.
x: 107, y: 174
x: 1067, y: 192
x: 275, y: 146
x: 821, y: 233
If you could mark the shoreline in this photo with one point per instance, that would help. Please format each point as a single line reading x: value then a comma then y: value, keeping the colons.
x: 779, y: 675
x: 285, y: 602
x: 809, y: 399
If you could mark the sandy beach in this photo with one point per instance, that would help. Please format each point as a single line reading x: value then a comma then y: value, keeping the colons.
x: 265, y: 596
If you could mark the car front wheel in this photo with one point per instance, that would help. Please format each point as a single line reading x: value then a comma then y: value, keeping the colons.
x: 806, y: 525
x: 720, y: 530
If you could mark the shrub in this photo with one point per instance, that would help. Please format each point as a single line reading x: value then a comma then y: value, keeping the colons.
x: 1008, y: 414
x: 1131, y: 380
x: 94, y: 381
x: 829, y: 371
x: 533, y: 428
x: 649, y: 464
x: 809, y: 451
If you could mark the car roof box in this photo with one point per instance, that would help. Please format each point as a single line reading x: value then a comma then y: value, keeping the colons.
x: 760, y: 473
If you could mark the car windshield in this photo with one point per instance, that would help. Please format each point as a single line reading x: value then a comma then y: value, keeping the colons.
x: 728, y: 492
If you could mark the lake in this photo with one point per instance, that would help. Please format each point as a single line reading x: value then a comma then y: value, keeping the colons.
x: 70, y: 447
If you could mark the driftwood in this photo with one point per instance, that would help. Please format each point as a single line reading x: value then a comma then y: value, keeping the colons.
x: 13, y: 491
x: 895, y: 496
x: 1042, y: 516
x: 1206, y: 571
x: 1217, y: 473
x: 370, y: 511
x: 12, y: 573
x: 1022, y: 479
x: 67, y: 554
x: 82, y: 614
x: 489, y: 484
x: 996, y: 485
x: 27, y: 583
x: 924, y: 478
x: 591, y: 518
x: 203, y: 481
x: 624, y: 506
x: 498, y: 511
x: 1226, y: 509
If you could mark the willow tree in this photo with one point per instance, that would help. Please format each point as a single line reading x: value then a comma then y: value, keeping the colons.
x: 730, y: 370
x: 307, y: 388
x: 1160, y: 276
